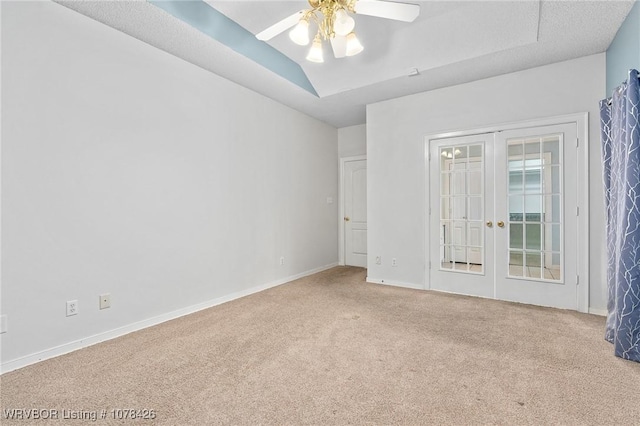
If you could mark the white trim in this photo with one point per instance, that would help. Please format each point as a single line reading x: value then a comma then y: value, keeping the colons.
x: 600, y: 312
x: 341, y: 242
x: 17, y: 363
x: 394, y: 283
x: 499, y: 300
x: 469, y: 295
x: 427, y: 215
x: 581, y: 120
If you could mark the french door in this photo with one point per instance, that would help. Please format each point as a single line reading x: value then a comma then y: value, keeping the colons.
x: 501, y: 207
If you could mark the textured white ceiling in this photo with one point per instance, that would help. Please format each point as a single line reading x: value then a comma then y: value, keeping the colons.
x: 452, y: 42
x: 443, y: 34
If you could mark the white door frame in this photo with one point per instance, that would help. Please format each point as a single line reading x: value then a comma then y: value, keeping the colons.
x: 341, y: 252
x: 581, y: 120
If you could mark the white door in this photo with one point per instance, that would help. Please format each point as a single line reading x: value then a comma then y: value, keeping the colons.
x: 461, y: 198
x: 536, y: 251
x: 500, y: 205
x: 355, y: 213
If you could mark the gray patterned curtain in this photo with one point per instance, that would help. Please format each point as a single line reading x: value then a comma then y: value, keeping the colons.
x: 620, y: 128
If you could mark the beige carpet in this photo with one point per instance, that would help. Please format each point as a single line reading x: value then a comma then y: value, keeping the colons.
x: 331, y: 349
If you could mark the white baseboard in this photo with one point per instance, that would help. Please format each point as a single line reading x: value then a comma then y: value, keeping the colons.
x: 395, y: 283
x: 600, y: 312
x: 66, y: 348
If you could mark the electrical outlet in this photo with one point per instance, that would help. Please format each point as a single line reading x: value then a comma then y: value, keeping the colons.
x: 72, y: 308
x: 105, y: 301
x: 378, y: 260
x: 4, y: 326
x: 281, y: 260
x: 394, y: 262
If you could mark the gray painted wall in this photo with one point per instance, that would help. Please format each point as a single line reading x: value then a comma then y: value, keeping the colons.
x: 128, y: 171
x: 396, y: 163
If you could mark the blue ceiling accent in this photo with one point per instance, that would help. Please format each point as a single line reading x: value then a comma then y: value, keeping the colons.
x: 209, y: 21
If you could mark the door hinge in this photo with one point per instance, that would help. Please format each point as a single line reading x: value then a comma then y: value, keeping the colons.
x: 577, y: 142
x: 429, y: 264
x: 429, y: 211
x: 577, y: 211
x: 577, y: 279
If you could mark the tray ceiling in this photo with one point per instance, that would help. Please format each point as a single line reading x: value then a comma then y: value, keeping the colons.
x: 451, y: 42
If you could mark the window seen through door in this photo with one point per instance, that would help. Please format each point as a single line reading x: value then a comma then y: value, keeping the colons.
x: 535, y: 208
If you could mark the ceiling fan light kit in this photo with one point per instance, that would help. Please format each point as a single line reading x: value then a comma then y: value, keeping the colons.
x: 333, y: 20
x: 336, y: 25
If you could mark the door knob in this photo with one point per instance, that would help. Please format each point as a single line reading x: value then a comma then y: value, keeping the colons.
x: 346, y: 219
x: 489, y: 224
x: 501, y: 224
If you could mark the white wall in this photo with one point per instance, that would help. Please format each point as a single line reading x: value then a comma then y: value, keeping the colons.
x: 352, y: 141
x: 396, y: 165
x: 128, y: 171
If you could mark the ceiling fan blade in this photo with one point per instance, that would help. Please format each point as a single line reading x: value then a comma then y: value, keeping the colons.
x: 386, y: 9
x: 281, y: 26
x: 339, y: 46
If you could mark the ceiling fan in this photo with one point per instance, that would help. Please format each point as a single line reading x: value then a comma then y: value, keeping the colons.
x: 336, y: 25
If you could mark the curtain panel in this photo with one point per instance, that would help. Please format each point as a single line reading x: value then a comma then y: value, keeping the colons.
x: 620, y: 133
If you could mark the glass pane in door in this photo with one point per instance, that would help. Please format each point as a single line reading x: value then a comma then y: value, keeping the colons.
x: 462, y: 208
x: 534, y: 191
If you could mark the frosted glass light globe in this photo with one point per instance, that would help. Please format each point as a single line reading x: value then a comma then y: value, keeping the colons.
x: 300, y: 33
x: 315, y: 53
x: 343, y: 23
x: 353, y: 45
